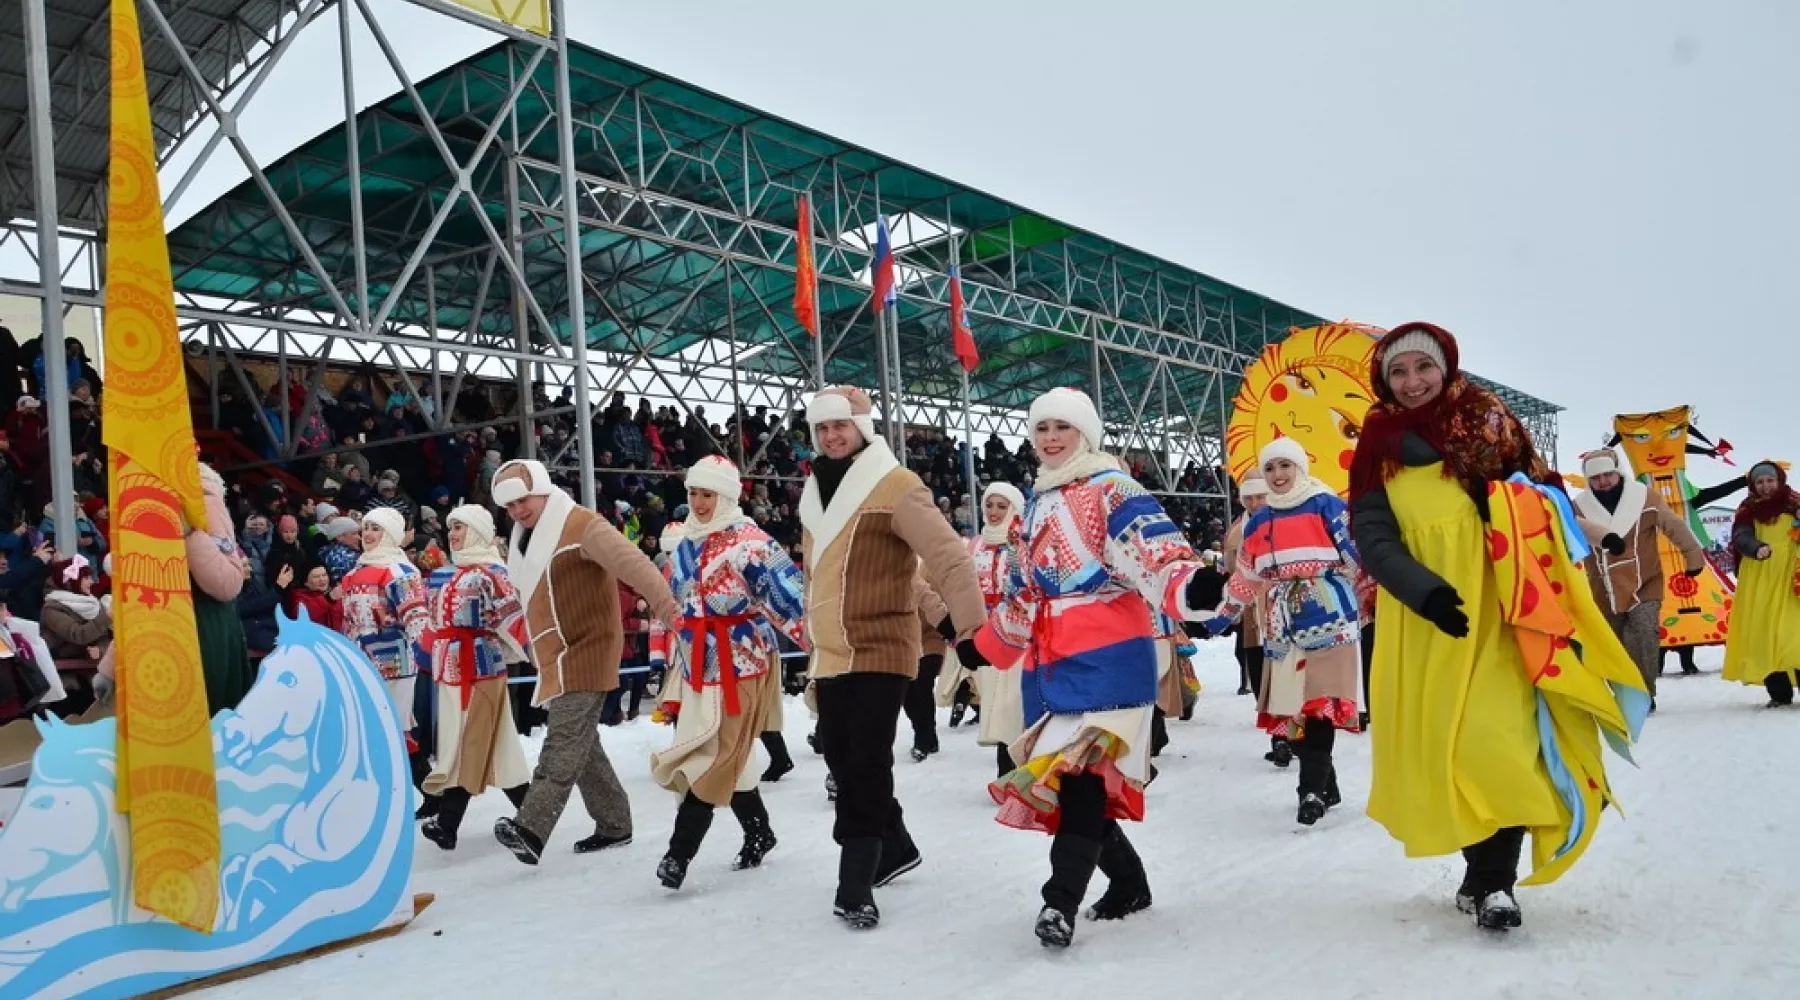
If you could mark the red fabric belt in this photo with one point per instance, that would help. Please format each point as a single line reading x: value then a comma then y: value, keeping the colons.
x: 465, y: 638
x: 718, y: 628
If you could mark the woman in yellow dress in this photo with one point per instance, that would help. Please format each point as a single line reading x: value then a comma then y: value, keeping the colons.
x: 1472, y: 752
x: 1763, y: 646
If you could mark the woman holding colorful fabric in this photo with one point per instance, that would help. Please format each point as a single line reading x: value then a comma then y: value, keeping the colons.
x: 1099, y: 556
x: 736, y: 588
x: 1297, y: 568
x: 1488, y: 629
x: 1764, y: 644
x: 996, y: 554
x: 477, y: 628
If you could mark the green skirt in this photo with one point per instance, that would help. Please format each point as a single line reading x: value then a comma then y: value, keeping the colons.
x: 223, y: 656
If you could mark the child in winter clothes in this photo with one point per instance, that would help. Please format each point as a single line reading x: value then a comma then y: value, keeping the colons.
x: 76, y: 625
x: 318, y: 598
x: 1298, y: 557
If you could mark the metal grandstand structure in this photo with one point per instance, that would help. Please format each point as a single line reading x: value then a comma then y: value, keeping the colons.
x: 429, y: 234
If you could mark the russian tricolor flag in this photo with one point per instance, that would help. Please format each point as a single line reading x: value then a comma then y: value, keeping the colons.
x: 882, y: 273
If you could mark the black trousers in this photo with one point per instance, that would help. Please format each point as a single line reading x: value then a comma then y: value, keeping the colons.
x: 858, y: 717
x: 921, y: 703
x: 1780, y: 686
x: 1493, y: 864
x: 1251, y: 660
x: 1368, y: 660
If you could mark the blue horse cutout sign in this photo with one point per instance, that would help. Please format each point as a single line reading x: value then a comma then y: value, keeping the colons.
x: 315, y: 811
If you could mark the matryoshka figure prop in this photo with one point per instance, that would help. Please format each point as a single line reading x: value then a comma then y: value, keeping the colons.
x: 1313, y: 387
x: 1696, y: 611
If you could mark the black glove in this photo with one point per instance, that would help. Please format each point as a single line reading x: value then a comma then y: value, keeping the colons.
x: 1443, y: 608
x: 1614, y: 544
x: 947, y: 629
x: 969, y: 656
x: 1692, y: 573
x: 1196, y: 592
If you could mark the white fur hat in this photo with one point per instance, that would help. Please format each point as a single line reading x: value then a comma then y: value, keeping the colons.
x: 718, y: 475
x: 1254, y: 485
x: 390, y: 522
x: 1010, y: 492
x: 842, y: 402
x: 1284, y: 447
x: 476, y: 520
x: 1598, y: 461
x: 1072, y: 407
x: 521, y: 478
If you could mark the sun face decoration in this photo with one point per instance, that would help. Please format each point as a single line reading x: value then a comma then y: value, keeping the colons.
x: 1655, y: 443
x: 1312, y: 387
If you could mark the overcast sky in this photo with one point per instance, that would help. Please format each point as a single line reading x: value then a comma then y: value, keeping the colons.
x: 1601, y: 199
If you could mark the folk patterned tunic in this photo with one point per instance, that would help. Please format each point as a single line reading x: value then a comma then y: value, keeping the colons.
x: 477, y: 624
x: 384, y: 612
x: 736, y: 583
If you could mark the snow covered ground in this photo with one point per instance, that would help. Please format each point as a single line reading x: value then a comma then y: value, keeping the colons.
x: 1695, y: 893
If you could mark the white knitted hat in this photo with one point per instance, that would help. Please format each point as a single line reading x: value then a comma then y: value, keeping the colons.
x: 389, y: 521
x: 1254, y: 486
x: 1284, y: 447
x: 1010, y: 492
x: 718, y: 475
x: 1416, y: 342
x: 1072, y: 407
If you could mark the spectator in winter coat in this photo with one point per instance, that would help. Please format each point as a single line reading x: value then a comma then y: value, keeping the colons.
x: 343, y: 546
x: 256, y: 604
x: 319, y: 598
x: 286, y: 550
x: 356, y: 494
x: 330, y: 476
x: 388, y: 494
x: 76, y: 625
x: 22, y: 576
x: 256, y: 543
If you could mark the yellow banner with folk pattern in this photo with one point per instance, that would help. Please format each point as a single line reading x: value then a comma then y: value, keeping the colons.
x: 166, y: 776
x: 532, y: 15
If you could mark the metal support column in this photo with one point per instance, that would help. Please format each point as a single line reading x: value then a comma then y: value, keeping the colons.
x: 56, y: 380
x: 521, y: 314
x: 565, y: 140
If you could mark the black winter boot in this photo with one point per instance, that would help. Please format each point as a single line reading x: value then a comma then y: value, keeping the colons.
x: 759, y: 839
x: 780, y: 762
x: 1159, y: 732
x: 516, y: 794
x: 899, y: 854
x: 1072, y: 863
x: 419, y: 762
x: 1315, y: 769
x: 440, y: 828
x: 692, y: 819
x: 855, y: 903
x: 1487, y: 886
x: 1281, y: 752
x: 1127, y: 888
x: 1003, y: 760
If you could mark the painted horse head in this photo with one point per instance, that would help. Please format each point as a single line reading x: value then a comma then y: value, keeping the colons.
x: 307, y: 672
x: 66, y: 815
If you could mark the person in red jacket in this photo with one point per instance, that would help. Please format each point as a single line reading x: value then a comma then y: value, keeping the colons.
x: 318, y: 597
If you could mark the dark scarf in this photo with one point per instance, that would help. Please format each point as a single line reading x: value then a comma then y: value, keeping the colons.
x: 1474, y: 433
x: 830, y: 473
x: 1610, y: 498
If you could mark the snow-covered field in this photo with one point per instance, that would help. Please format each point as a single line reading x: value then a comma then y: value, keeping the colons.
x: 1694, y: 893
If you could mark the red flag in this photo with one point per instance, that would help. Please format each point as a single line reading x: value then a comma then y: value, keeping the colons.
x: 806, y: 277
x: 961, y: 336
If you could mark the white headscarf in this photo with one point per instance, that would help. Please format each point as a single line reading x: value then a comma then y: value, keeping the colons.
x: 999, y: 534
x: 393, y: 531
x: 478, y: 540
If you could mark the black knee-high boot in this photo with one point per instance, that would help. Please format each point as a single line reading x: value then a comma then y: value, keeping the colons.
x: 1074, y: 854
x: 1003, y: 760
x: 1487, y: 886
x: 516, y: 794
x: 440, y: 828
x: 1315, y: 769
x: 759, y: 837
x: 780, y: 761
x: 692, y: 820
x: 1128, y: 888
x: 1159, y: 732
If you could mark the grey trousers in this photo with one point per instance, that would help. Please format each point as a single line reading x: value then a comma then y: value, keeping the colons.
x: 1640, y: 632
x: 572, y: 757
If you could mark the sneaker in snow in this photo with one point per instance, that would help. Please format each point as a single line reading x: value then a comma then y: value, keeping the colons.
x: 756, y: 847
x: 1117, y: 904
x: 600, y: 842
x: 1498, y: 911
x: 1312, y: 809
x: 1055, y: 929
x: 521, y: 842
x: 860, y: 916
x: 671, y: 872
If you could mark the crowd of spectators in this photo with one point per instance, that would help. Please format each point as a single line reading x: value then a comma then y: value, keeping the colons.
x: 371, y: 444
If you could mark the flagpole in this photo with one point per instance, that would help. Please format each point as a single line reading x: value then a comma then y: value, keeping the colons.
x: 969, y: 452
